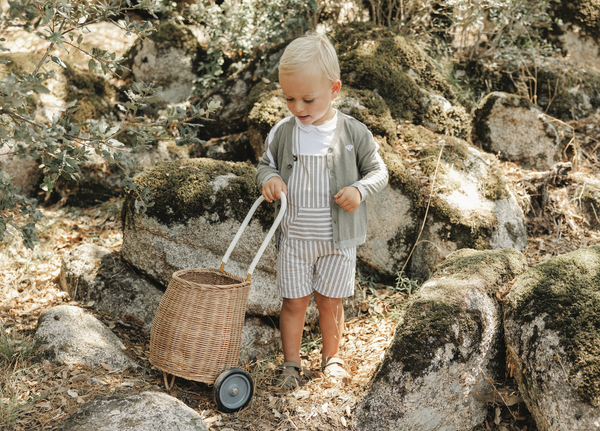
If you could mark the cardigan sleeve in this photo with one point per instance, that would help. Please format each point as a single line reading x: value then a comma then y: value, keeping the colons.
x: 371, y: 166
x: 267, y: 165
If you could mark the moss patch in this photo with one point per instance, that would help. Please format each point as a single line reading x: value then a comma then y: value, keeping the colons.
x: 182, y: 192
x: 428, y: 322
x: 370, y: 109
x: 267, y: 113
x: 567, y: 290
x: 93, y: 93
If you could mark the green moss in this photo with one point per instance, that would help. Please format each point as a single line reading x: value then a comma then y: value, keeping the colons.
x: 495, y: 267
x: 269, y: 111
x: 428, y: 323
x: 381, y: 60
x: 370, y: 109
x: 183, y: 191
x: 94, y: 94
x: 174, y: 35
x: 566, y: 290
x: 495, y: 186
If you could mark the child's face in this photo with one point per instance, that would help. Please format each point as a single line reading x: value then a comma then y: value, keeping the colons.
x: 309, y: 96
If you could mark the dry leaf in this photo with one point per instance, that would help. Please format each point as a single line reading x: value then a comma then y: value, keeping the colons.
x: 276, y: 414
x: 106, y: 366
x: 72, y: 393
x: 79, y: 378
x: 47, y: 366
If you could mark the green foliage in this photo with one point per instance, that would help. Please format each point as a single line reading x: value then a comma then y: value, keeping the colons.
x: 61, y: 143
x: 405, y: 285
x: 239, y: 29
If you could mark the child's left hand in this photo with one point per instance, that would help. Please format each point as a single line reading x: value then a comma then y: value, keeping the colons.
x: 348, y: 198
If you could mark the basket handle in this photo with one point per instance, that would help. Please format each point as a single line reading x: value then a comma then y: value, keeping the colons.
x: 263, y: 246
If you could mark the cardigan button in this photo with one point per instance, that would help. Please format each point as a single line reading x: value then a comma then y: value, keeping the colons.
x: 289, y: 166
x: 279, y: 206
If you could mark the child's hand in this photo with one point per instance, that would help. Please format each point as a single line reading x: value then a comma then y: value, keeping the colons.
x: 272, y: 189
x: 348, y: 198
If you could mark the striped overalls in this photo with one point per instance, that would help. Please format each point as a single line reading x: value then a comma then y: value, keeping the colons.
x: 307, y: 258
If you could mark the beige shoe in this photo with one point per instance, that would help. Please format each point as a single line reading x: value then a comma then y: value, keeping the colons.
x: 289, y: 378
x: 334, y: 368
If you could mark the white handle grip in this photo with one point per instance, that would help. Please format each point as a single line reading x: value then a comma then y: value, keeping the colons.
x: 265, y: 243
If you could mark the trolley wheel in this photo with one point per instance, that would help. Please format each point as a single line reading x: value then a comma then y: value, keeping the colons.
x: 233, y: 390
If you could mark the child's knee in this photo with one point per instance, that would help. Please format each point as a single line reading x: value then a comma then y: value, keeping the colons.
x: 325, y: 302
x: 295, y: 305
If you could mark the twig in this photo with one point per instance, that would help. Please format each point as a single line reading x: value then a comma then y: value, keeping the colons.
x: 427, y: 209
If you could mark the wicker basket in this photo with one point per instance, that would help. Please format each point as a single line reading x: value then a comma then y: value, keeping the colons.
x: 197, y: 330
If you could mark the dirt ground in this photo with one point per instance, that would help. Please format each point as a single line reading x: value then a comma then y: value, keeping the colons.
x: 38, y: 395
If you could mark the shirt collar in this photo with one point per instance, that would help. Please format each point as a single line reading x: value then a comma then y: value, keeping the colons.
x: 323, y: 128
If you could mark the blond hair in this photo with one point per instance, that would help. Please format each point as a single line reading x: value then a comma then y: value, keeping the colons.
x: 312, y: 52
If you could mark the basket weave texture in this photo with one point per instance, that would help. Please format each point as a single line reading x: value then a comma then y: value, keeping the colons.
x: 197, y: 330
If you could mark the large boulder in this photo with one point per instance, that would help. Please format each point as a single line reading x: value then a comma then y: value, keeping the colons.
x: 447, y: 349
x: 70, y: 335
x: 169, y: 58
x: 146, y: 411
x: 552, y: 330
x: 471, y: 205
x: 511, y: 126
x: 199, y: 206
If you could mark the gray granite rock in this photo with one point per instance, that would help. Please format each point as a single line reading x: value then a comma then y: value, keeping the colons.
x: 145, y: 411
x: 551, y: 325
x: 435, y: 374
x: 72, y: 336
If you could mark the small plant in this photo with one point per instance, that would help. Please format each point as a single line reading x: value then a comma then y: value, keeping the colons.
x: 13, y: 349
x: 368, y: 281
x: 310, y: 342
x: 405, y: 285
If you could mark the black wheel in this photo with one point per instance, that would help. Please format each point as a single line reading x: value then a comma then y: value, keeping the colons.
x: 233, y: 390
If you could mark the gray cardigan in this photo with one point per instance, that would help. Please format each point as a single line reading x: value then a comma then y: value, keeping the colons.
x: 352, y: 160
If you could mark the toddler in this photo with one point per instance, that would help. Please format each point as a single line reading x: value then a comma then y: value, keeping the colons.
x: 327, y: 164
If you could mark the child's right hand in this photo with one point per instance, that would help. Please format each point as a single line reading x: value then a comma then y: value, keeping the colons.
x: 272, y: 189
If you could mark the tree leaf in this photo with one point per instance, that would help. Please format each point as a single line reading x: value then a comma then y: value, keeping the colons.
x: 41, y: 89
x: 58, y: 61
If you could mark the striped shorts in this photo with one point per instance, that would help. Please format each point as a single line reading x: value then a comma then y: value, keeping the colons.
x: 307, y: 266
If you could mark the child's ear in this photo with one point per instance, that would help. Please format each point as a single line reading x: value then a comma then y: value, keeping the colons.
x: 335, y: 89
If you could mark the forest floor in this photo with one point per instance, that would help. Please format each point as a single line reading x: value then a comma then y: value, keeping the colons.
x: 38, y: 395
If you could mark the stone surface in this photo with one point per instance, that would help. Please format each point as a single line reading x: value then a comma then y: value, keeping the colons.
x: 167, y: 58
x: 145, y: 411
x: 93, y: 275
x: 513, y: 127
x: 71, y: 336
x: 235, y: 148
x: 259, y: 340
x: 551, y: 324
x: 435, y: 373
x: 25, y: 172
x: 471, y: 206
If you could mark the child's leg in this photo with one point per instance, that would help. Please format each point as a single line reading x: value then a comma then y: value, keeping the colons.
x: 291, y: 324
x: 331, y: 321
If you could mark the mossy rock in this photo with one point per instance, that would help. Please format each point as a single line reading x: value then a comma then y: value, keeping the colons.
x: 552, y: 325
x: 583, y: 13
x: 169, y: 58
x: 183, y: 189
x: 370, y: 109
x: 471, y: 206
x: 94, y: 94
x: 395, y: 67
x: 513, y: 127
x: 449, y: 334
